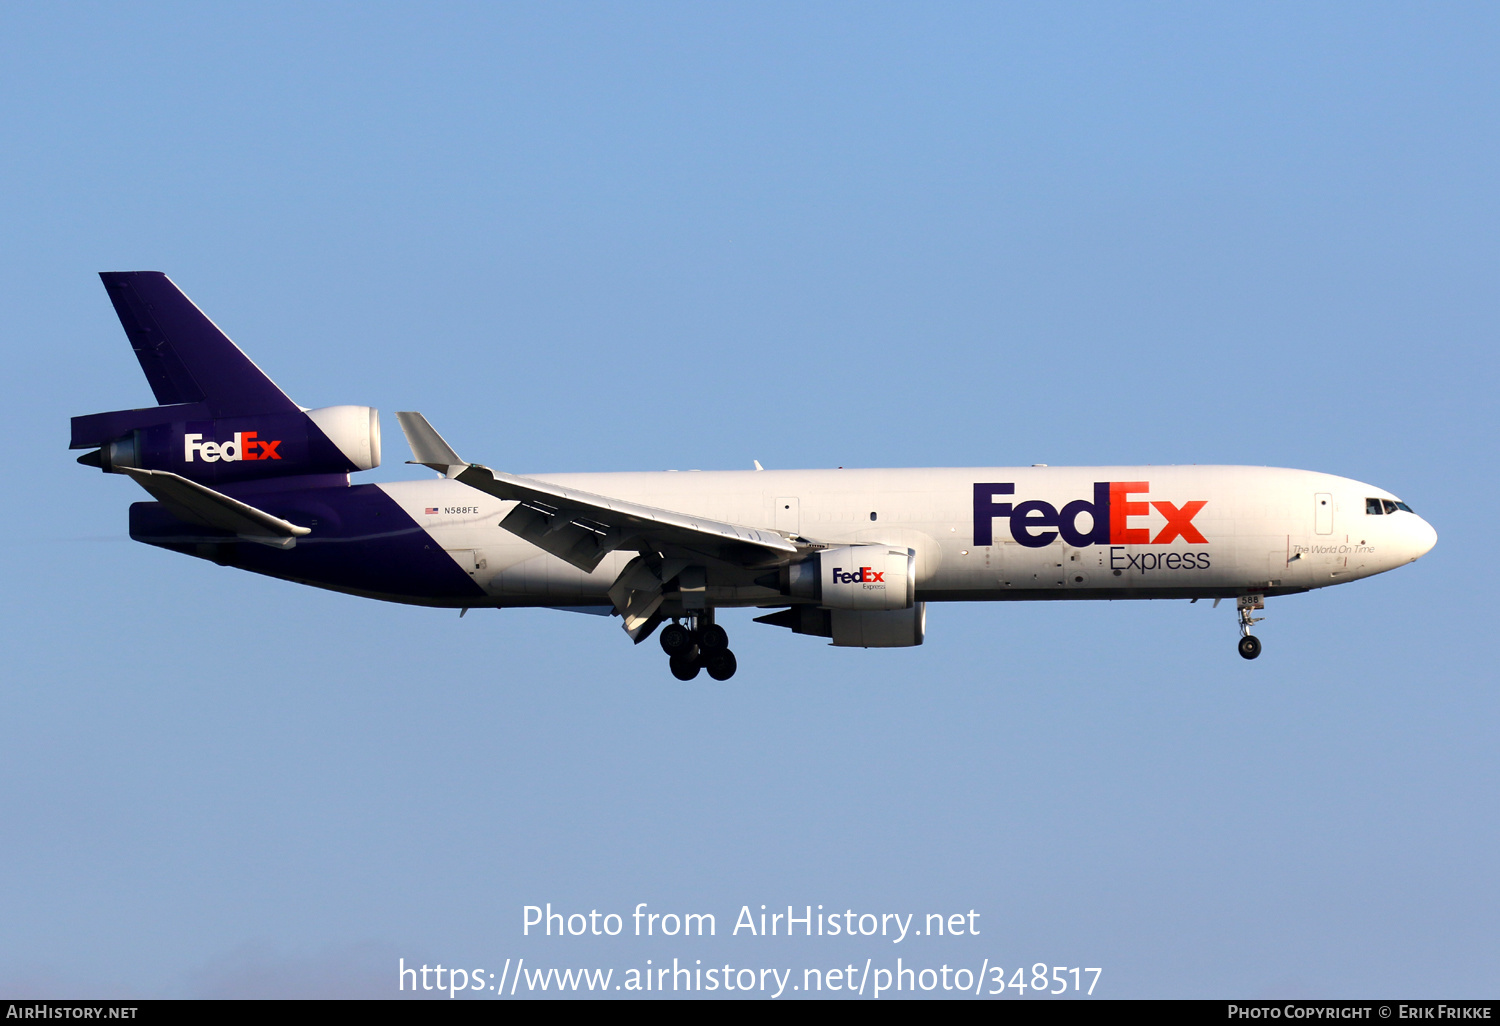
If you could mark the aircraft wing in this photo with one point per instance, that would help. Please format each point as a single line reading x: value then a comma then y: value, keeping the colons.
x: 582, y: 528
x: 194, y: 503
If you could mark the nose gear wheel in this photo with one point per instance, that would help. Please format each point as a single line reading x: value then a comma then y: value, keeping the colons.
x: 1249, y: 644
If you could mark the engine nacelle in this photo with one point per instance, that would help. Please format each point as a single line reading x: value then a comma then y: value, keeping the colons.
x: 851, y: 628
x: 890, y: 628
x: 856, y: 577
x: 354, y: 429
x: 218, y: 451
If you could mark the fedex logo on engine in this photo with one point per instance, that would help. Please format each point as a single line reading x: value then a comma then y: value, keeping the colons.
x: 244, y: 446
x: 864, y: 575
x: 1036, y: 524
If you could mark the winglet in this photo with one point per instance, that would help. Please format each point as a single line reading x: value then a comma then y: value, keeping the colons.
x: 428, y: 446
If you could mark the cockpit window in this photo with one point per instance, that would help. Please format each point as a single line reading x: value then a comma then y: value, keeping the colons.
x: 1390, y: 507
x: 1372, y: 507
x: 1402, y: 505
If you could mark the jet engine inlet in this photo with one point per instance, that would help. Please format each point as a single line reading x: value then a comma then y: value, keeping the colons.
x: 354, y: 429
x: 855, y: 577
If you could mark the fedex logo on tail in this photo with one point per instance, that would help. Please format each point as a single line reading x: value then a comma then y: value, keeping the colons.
x: 1035, y: 523
x: 244, y: 446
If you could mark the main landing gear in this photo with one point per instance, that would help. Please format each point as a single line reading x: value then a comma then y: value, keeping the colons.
x: 1249, y: 645
x: 700, y: 644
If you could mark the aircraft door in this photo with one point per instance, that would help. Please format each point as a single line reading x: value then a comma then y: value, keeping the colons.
x: 1323, y: 513
x: 472, y: 560
x: 788, y: 515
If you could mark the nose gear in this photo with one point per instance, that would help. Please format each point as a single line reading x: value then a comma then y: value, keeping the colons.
x: 1249, y: 645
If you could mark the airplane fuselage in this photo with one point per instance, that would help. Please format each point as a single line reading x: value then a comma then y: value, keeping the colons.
x: 1251, y: 529
x: 245, y: 477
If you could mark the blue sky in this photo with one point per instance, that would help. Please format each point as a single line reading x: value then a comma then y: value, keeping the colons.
x: 602, y: 237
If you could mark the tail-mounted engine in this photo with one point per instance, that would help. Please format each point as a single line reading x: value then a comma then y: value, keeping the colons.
x: 220, y: 420
x: 227, y: 450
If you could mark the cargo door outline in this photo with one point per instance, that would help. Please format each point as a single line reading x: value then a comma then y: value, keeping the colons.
x: 787, y: 514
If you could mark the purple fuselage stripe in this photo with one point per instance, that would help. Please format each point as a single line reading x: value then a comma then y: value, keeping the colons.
x: 361, y: 541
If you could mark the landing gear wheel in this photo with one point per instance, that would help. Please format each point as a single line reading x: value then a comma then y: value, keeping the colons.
x: 720, y: 664
x: 1247, y: 605
x: 684, y: 669
x: 676, y: 640
x: 712, y: 638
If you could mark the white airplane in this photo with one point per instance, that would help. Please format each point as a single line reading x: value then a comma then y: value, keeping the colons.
x: 245, y: 477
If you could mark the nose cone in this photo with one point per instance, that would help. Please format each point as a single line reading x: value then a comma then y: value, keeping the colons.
x: 1422, y: 538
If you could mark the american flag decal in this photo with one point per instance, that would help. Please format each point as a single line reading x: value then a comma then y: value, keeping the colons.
x: 431, y: 511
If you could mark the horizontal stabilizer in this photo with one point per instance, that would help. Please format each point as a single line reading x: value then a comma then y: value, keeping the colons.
x: 194, y: 503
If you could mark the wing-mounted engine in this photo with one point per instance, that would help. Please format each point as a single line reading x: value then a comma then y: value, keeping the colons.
x: 853, y: 577
x: 848, y: 628
x: 859, y: 596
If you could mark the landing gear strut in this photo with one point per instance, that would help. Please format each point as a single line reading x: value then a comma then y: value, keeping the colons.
x: 700, y: 644
x: 1249, y: 645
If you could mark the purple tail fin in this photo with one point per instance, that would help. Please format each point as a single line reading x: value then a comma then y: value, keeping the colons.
x: 221, y: 421
x: 187, y: 359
